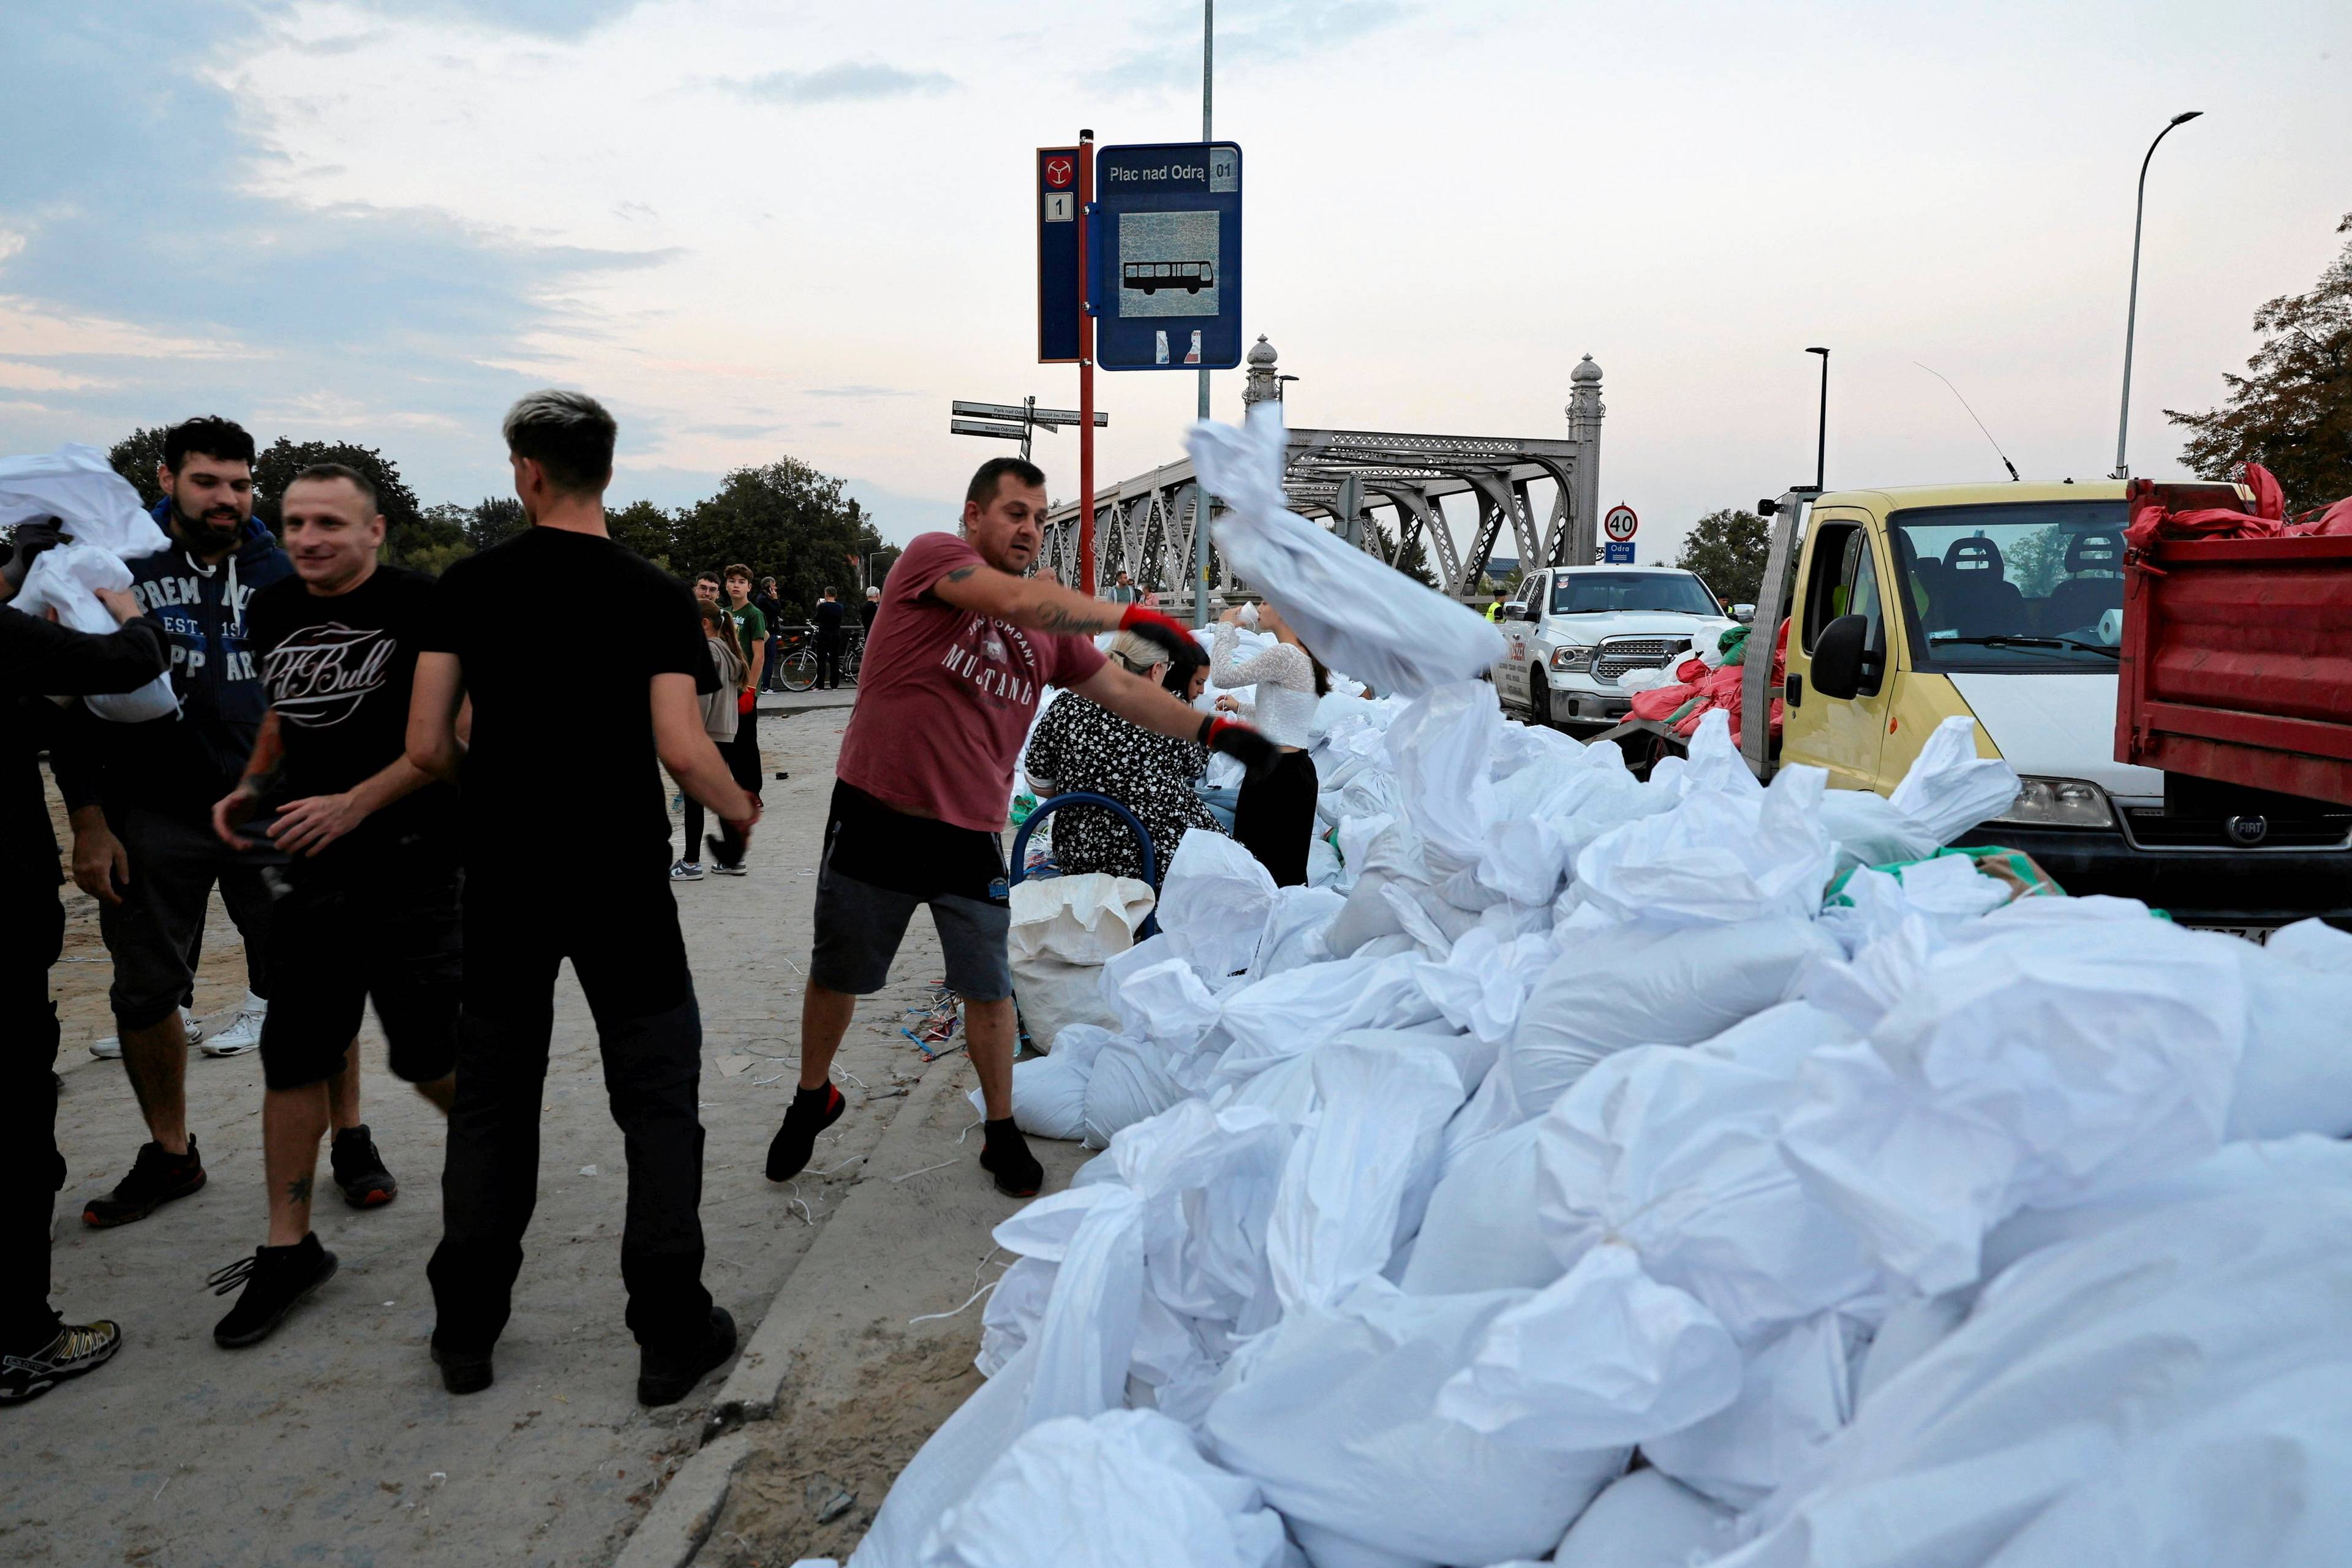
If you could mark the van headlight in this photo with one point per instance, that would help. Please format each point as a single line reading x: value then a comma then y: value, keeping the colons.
x: 2059, y: 803
x: 1575, y: 660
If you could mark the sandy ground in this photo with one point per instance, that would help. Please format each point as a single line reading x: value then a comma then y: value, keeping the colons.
x: 333, y: 1442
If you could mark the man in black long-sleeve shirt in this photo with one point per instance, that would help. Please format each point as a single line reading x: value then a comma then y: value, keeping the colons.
x: 829, y: 617
x: 39, y: 660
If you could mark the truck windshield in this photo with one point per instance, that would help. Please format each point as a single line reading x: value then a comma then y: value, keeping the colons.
x: 2015, y: 588
x: 1597, y: 593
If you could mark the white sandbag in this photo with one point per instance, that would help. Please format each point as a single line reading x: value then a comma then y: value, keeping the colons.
x: 1796, y: 1394
x: 1950, y: 788
x: 1480, y: 1232
x: 1440, y: 746
x: 2075, y: 1374
x: 1130, y: 1083
x: 1483, y: 984
x: 2018, y: 1071
x: 1366, y: 914
x: 946, y: 1467
x: 1358, y: 1178
x: 1285, y: 1015
x: 2296, y: 1074
x: 1647, y: 1521
x: 1720, y: 856
x: 1215, y: 898
x: 1063, y: 929
x: 1356, y: 612
x: 1324, y: 871
x: 1049, y: 1093
x: 1910, y: 1330
x: 1647, y: 679
x: 1676, y: 1154
x: 105, y: 526
x: 1331, y: 1413
x: 1629, y: 985
x: 1164, y: 1001
x: 1543, y: 818
x: 1777, y: 1040
x: 1471, y: 1055
x: 1086, y: 1334
x: 1295, y: 924
x: 1602, y: 1357
x: 1125, y: 1489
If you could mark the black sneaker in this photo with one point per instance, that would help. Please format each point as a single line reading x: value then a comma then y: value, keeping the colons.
x: 156, y: 1178
x: 811, y: 1112
x: 276, y: 1279
x: 79, y: 1348
x: 463, y: 1372
x: 359, y: 1168
x: 1004, y: 1155
x: 719, y: 862
x: 665, y: 1378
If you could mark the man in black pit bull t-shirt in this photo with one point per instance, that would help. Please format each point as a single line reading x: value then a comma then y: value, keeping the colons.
x: 572, y: 862
x: 370, y: 910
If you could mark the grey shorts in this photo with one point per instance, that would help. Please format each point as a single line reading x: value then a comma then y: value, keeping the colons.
x: 152, y: 934
x: 859, y: 927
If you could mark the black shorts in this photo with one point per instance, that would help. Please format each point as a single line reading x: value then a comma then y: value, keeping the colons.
x: 878, y: 865
x: 345, y: 940
x: 152, y: 934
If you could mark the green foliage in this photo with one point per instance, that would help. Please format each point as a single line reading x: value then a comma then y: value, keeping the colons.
x: 438, y: 538
x: 136, y: 458
x: 404, y: 529
x: 1726, y: 549
x: 2294, y: 413
x: 785, y: 520
x: 1415, y: 560
x: 492, y: 519
x: 642, y: 527
x: 2037, y: 561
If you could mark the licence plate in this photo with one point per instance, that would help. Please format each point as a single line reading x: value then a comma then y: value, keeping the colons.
x: 2255, y: 934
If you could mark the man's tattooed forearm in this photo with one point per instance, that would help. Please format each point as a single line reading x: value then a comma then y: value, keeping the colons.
x: 1071, y: 621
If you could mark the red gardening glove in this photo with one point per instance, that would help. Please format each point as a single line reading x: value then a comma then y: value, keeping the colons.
x: 1153, y: 627
x: 1238, y: 740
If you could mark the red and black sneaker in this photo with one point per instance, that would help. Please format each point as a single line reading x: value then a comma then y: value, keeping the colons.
x: 811, y: 1112
x: 156, y: 1178
x: 359, y: 1168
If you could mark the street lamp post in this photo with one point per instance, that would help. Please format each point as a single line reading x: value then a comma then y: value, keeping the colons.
x: 1822, y: 430
x: 2131, y: 311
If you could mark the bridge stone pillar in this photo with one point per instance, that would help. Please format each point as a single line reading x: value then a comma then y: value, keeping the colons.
x: 1584, y: 414
x: 1260, y: 384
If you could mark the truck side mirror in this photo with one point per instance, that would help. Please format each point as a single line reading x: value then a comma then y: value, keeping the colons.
x: 1838, y: 654
x: 1743, y: 613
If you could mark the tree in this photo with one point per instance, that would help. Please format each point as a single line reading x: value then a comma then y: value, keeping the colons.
x: 644, y: 528
x: 2294, y: 413
x: 136, y: 458
x: 438, y: 538
x: 492, y: 519
x: 1413, y: 560
x: 405, y: 530
x: 786, y: 521
x: 1726, y: 549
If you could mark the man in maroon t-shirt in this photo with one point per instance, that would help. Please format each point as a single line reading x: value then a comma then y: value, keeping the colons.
x: 950, y: 681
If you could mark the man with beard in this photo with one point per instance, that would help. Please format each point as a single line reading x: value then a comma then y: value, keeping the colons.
x: 139, y: 796
x: 370, y: 912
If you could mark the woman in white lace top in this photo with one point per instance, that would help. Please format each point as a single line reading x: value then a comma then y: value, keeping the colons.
x: 1275, y: 817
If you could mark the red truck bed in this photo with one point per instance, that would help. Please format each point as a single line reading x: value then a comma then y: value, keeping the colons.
x: 2237, y: 663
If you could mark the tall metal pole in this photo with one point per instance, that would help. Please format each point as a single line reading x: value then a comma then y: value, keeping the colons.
x: 1822, y: 432
x: 1086, y: 583
x: 2131, y: 311
x: 1200, y: 497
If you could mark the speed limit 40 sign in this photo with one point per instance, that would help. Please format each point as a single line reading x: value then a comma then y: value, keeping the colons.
x: 1620, y: 523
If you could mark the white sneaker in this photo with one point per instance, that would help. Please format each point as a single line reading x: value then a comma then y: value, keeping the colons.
x: 110, y: 1050
x: 243, y: 1033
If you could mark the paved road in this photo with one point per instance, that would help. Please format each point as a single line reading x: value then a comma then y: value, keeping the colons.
x: 333, y: 1441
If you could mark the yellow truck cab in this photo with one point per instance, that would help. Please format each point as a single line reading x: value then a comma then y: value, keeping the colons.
x: 2004, y: 602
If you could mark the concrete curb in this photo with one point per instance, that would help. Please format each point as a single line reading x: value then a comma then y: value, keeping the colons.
x: 681, y: 1519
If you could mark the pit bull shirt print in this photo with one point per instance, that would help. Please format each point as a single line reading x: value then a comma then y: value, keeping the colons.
x: 338, y: 670
x: 945, y: 696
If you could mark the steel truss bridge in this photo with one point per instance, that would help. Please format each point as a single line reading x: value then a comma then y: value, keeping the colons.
x: 1394, y: 482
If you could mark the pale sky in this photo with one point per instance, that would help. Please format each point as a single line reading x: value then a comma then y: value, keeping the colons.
x: 764, y: 229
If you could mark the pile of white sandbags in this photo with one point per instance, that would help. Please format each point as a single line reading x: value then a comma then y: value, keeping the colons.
x: 1573, y: 1187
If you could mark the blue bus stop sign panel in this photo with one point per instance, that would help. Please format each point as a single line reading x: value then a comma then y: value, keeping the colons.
x: 1058, y: 295
x: 1617, y: 552
x: 1166, y: 262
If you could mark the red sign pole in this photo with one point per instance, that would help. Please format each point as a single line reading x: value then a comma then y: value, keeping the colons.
x: 1086, y: 583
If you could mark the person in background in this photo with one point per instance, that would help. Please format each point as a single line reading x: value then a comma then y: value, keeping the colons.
x: 369, y: 910
x: 829, y: 617
x: 871, y: 608
x: 1080, y: 746
x: 719, y: 721
x: 949, y: 689
x: 592, y: 888
x: 742, y: 753
x: 772, y: 609
x: 1494, y: 608
x: 140, y: 796
x: 1275, y: 817
x: 1122, y: 591
x: 39, y: 659
x: 707, y: 589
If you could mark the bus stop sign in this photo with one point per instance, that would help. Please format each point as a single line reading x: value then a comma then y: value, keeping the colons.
x: 1057, y: 254
x: 1166, y: 255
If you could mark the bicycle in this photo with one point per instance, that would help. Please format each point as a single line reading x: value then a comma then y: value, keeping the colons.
x: 797, y: 664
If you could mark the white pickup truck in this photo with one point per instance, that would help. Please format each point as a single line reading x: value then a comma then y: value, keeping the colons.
x: 1571, y: 632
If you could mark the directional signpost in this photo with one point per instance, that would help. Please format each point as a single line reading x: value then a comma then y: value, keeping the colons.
x: 1620, y: 524
x: 1012, y: 421
x: 1167, y: 260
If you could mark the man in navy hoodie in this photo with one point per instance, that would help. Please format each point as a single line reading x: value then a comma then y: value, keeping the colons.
x: 139, y: 796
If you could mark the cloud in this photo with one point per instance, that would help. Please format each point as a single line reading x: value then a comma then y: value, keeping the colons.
x: 565, y: 19
x: 1271, y: 33
x: 855, y: 390
x: 844, y: 83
